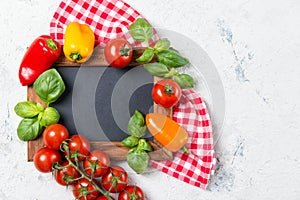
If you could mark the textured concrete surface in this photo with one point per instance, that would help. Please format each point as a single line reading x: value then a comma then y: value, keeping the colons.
x: 255, y: 46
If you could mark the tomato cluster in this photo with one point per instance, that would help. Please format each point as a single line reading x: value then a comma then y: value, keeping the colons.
x: 87, y: 172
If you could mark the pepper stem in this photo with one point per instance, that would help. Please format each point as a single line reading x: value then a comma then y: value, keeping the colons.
x: 51, y: 44
x: 75, y: 56
x: 186, y: 150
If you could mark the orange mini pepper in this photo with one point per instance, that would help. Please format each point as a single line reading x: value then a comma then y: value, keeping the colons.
x: 166, y: 131
x: 79, y: 42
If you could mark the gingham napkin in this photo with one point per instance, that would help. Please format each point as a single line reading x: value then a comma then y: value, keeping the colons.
x: 112, y: 18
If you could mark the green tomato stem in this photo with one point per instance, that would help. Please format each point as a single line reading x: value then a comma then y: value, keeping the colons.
x: 83, y: 175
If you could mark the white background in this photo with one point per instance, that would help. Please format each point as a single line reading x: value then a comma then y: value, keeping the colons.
x: 255, y: 46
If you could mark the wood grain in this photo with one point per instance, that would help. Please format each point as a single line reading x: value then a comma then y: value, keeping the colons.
x: 114, y: 149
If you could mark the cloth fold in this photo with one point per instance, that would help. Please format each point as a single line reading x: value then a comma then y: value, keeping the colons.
x: 112, y: 18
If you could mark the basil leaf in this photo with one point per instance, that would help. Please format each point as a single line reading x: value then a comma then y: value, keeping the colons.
x: 157, y: 69
x: 184, y: 81
x: 130, y: 141
x: 49, y: 86
x: 162, y: 45
x: 141, y: 30
x: 26, y: 109
x: 29, y: 129
x: 171, y: 58
x: 147, y: 56
x: 49, y: 116
x: 136, y: 125
x: 144, y: 145
x: 138, y: 160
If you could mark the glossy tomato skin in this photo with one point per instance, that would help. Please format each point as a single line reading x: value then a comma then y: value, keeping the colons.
x: 54, y: 135
x: 104, y: 198
x: 80, y: 144
x: 68, y: 172
x: 118, y: 53
x: 115, y: 180
x: 132, y: 192
x: 84, y: 186
x: 166, y: 93
x: 44, y: 159
x: 96, y: 164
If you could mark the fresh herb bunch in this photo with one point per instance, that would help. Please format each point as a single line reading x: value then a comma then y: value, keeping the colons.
x: 49, y: 86
x: 168, y: 58
x: 137, y: 157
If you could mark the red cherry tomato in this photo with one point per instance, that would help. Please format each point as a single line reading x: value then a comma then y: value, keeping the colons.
x: 79, y: 144
x: 104, y: 198
x: 66, y: 175
x: 96, y: 164
x: 132, y: 192
x: 115, y: 180
x: 44, y: 159
x: 118, y: 53
x: 166, y: 93
x: 54, y: 135
x: 85, y: 190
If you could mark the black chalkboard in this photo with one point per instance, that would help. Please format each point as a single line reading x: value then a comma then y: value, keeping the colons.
x: 99, y: 100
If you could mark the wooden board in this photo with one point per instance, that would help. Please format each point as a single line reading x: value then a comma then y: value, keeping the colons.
x: 113, y: 148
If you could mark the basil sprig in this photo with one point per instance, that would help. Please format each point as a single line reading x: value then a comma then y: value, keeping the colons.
x: 168, y: 58
x: 49, y: 86
x: 137, y: 157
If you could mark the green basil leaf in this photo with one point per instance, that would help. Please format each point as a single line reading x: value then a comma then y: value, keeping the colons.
x: 144, y: 145
x: 49, y: 116
x: 26, y: 109
x: 171, y: 58
x: 141, y: 30
x: 162, y: 45
x: 147, y: 56
x: 184, y: 81
x: 136, y: 125
x: 29, y: 129
x: 49, y: 86
x: 130, y: 141
x: 138, y: 160
x: 40, y: 107
x: 156, y: 69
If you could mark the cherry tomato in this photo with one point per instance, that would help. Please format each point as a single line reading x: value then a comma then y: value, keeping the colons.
x: 66, y: 175
x: 79, y: 145
x: 44, y: 159
x: 166, y: 93
x: 118, y: 53
x: 104, y: 198
x: 132, y: 192
x: 96, y: 164
x: 115, y: 180
x: 85, y: 190
x: 54, y: 135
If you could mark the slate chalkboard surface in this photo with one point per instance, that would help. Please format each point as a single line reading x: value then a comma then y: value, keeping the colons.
x: 99, y: 101
x: 100, y: 108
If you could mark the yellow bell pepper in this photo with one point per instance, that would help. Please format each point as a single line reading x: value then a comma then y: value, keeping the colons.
x: 79, y: 42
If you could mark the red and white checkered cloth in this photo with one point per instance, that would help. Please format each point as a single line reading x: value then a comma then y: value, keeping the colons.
x: 112, y: 18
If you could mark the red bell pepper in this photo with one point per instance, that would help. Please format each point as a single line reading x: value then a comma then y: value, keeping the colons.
x: 40, y: 56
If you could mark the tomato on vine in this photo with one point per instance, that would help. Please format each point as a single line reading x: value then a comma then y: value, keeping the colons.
x: 66, y: 174
x: 132, y: 192
x: 54, y: 135
x: 85, y: 190
x: 79, y: 147
x: 166, y: 93
x: 96, y: 164
x: 118, y: 53
x: 45, y: 158
x: 104, y: 198
x: 115, y: 180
